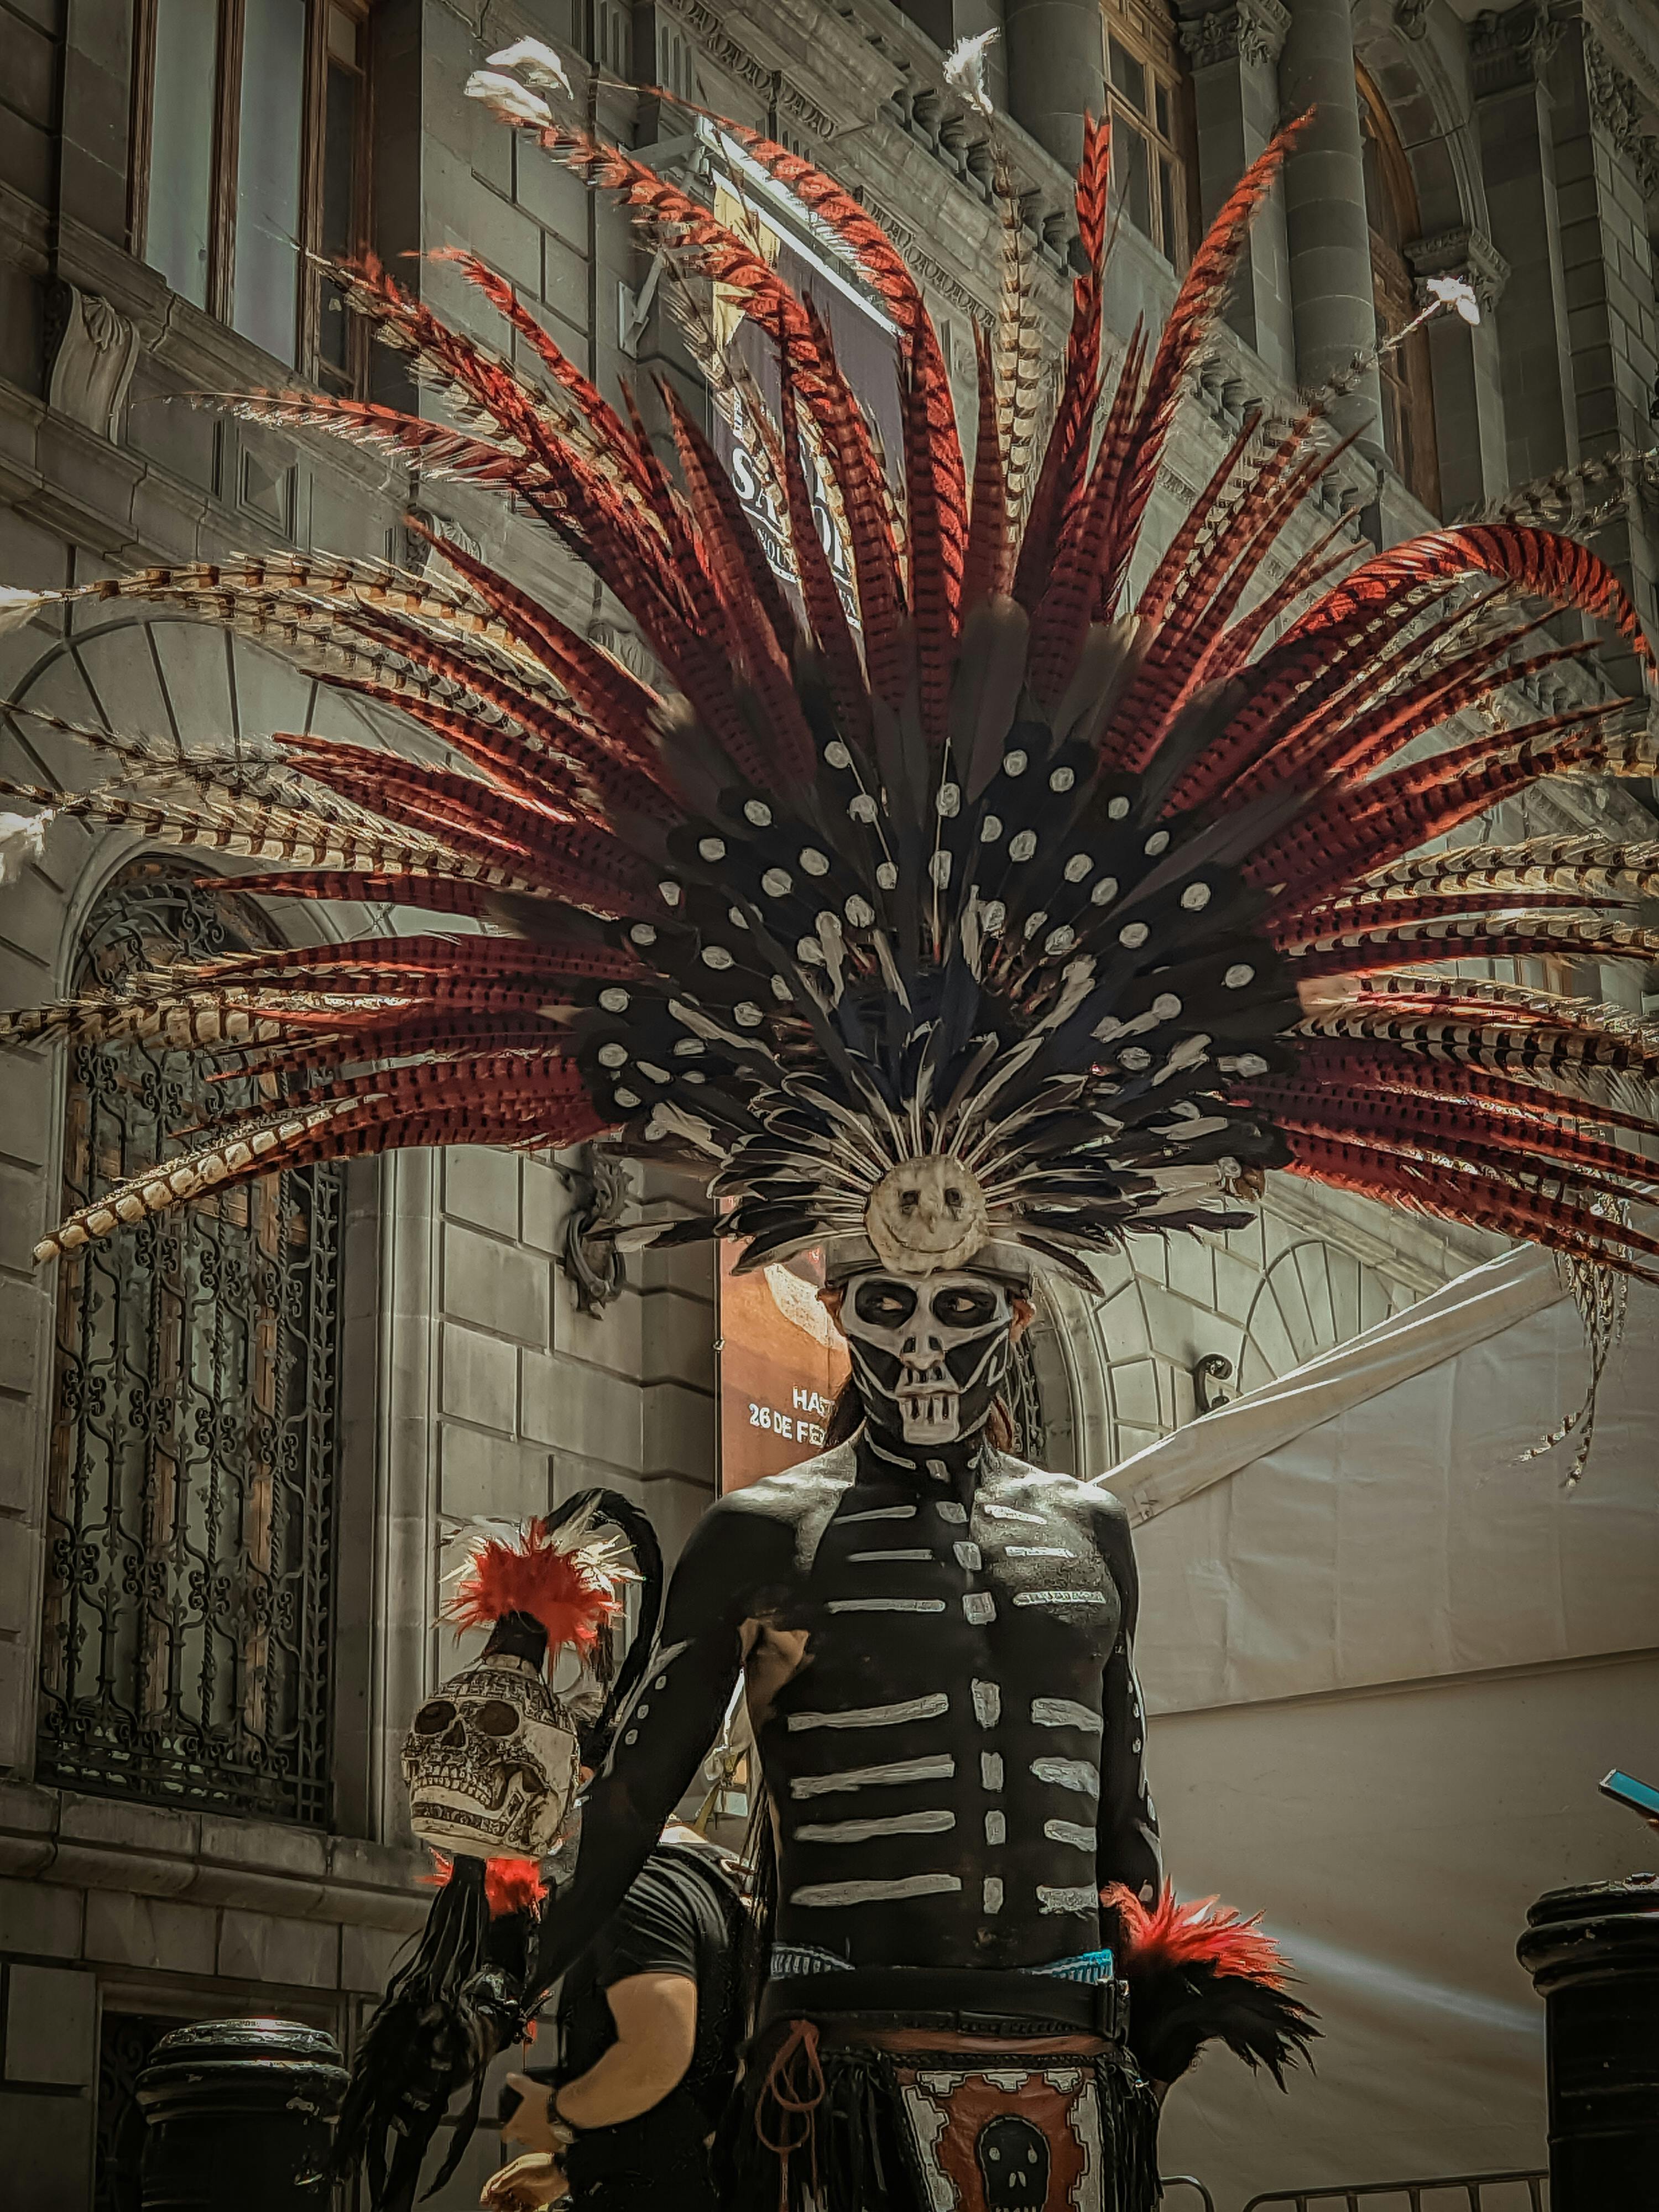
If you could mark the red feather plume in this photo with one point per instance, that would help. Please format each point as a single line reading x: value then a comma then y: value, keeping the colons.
x: 571, y: 1598
x: 1204, y: 1934
x: 510, y: 1885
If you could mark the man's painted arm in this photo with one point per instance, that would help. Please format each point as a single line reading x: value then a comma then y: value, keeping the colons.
x: 1128, y: 1849
x: 672, y: 1719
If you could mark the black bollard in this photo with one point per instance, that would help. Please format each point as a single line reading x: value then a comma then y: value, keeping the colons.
x: 1593, y: 1954
x: 240, y: 2112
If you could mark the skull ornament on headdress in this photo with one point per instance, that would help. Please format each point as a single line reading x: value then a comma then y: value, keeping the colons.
x: 927, y: 1214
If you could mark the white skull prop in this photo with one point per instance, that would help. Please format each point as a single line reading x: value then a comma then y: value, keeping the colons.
x: 928, y: 1357
x: 491, y: 1763
x: 927, y: 1214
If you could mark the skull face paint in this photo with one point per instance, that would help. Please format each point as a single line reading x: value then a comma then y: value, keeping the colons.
x: 491, y: 1763
x: 928, y: 1357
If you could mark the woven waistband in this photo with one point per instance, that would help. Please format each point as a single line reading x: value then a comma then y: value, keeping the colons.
x: 965, y: 1999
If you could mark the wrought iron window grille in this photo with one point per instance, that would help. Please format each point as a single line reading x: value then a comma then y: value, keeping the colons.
x: 189, y: 1590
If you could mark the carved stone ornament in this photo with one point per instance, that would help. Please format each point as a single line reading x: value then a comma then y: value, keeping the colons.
x: 1410, y: 18
x: 599, y: 1193
x: 419, y: 552
x: 1463, y: 253
x: 94, y: 354
x: 1616, y: 103
x: 782, y: 95
x: 1249, y: 31
x: 1511, y: 47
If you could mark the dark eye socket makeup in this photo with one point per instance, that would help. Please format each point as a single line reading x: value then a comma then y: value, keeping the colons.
x: 885, y: 1304
x: 962, y: 1309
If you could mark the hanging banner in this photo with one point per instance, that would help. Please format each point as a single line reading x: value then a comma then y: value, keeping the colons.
x: 782, y: 1362
x: 805, y: 255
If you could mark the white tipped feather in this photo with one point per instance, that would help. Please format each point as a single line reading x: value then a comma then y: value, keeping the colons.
x: 964, y: 71
x: 17, y: 607
x: 23, y: 839
x: 536, y: 64
x: 509, y: 99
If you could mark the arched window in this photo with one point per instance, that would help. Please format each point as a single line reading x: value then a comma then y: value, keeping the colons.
x: 190, y: 1513
x: 1407, y: 377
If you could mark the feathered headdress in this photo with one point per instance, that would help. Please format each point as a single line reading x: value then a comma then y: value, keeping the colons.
x: 1095, y: 903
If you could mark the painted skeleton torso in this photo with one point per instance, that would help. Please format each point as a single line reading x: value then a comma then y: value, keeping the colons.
x: 939, y: 1668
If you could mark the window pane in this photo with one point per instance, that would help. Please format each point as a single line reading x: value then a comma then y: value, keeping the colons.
x: 1168, y: 237
x: 1128, y: 74
x: 1132, y: 179
x: 1161, y: 94
x: 181, y: 145
x: 338, y: 226
x: 267, y: 289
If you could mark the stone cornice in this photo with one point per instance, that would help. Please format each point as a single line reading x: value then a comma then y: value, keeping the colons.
x: 1512, y: 45
x: 768, y: 78
x: 105, y: 1843
x: 1246, y: 31
x: 1462, y: 252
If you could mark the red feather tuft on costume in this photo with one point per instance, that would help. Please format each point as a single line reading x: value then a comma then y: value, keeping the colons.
x: 572, y: 1599
x: 1197, y: 1935
x: 510, y: 1885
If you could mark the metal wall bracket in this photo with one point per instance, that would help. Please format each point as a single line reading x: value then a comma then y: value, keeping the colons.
x: 1208, y: 1374
x: 599, y: 1195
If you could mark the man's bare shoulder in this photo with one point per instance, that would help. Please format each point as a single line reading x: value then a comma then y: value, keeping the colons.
x: 787, y: 1496
x: 1089, y: 1503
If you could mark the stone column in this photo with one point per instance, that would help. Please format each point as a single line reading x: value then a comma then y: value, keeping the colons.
x: 1334, y: 310
x: 1508, y: 54
x: 1468, y: 389
x: 1057, y: 71
x: 1607, y: 166
x: 1233, y: 52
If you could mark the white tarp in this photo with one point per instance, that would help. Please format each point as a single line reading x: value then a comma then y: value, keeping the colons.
x: 1387, y: 1663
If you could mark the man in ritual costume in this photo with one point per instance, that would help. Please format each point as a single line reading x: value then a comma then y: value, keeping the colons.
x: 1022, y: 914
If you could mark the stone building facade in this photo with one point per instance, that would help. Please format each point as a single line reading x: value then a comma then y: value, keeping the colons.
x: 232, y: 1464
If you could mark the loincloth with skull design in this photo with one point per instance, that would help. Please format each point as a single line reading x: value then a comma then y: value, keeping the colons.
x: 976, y: 2092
